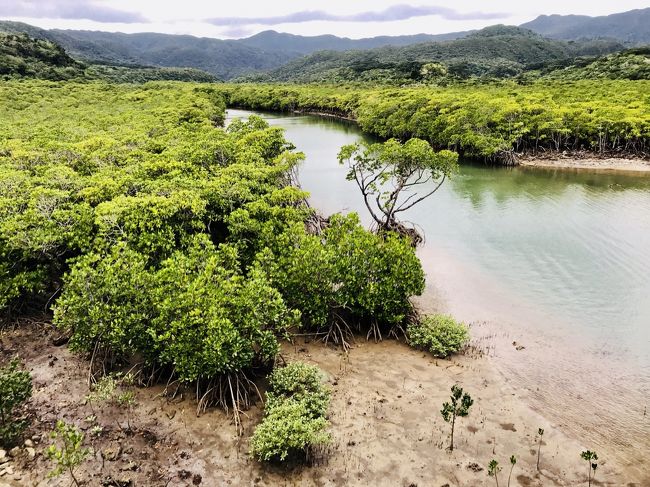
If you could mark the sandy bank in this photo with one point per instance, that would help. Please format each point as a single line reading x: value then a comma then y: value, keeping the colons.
x: 591, y: 163
x: 386, y: 426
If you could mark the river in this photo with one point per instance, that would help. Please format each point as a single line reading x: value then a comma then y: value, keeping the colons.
x: 554, y: 261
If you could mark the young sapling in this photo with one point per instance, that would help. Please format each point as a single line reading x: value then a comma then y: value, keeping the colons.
x: 458, y: 407
x: 513, y: 462
x: 540, y: 432
x: 591, y: 457
x: 71, y: 453
x: 493, y: 470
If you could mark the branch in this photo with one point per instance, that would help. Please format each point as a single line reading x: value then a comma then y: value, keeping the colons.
x: 423, y: 197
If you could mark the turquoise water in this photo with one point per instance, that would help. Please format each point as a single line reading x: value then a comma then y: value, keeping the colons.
x: 557, y: 258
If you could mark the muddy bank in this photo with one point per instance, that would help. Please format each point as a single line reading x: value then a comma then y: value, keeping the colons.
x: 386, y: 426
x: 589, y: 161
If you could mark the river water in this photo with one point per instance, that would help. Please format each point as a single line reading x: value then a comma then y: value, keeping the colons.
x: 556, y: 261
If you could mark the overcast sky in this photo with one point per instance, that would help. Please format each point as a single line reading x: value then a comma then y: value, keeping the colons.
x: 241, y: 18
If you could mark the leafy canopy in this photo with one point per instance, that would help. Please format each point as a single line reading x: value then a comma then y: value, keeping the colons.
x: 388, y: 174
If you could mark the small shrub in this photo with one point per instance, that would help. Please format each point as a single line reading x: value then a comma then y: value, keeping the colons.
x: 15, y: 390
x: 294, y: 423
x: 439, y: 334
x: 288, y: 431
x: 70, y: 454
x: 299, y: 382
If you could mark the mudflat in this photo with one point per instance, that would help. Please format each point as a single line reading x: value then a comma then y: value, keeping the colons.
x: 385, y: 422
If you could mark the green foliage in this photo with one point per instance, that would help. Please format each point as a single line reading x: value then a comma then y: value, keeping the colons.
x: 299, y: 382
x: 439, y: 334
x: 482, y: 121
x: 103, y: 389
x: 459, y: 405
x: 346, y: 273
x: 67, y: 451
x: 23, y: 56
x: 633, y: 64
x: 495, y: 52
x: 288, y: 431
x: 135, y: 74
x: 107, y: 303
x: 493, y: 470
x: 210, y: 319
x: 165, y: 237
x: 15, y: 390
x: 513, y: 462
x: 592, y: 459
x: 387, y: 172
x: 294, y: 422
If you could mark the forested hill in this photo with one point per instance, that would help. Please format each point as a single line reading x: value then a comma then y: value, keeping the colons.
x: 631, y: 27
x: 300, y: 45
x: 498, y: 52
x: 225, y: 59
x: 23, y: 56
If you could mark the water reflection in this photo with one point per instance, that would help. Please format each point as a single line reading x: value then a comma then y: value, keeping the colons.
x: 557, y: 258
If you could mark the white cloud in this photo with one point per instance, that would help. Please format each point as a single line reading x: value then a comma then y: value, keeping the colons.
x: 361, y: 18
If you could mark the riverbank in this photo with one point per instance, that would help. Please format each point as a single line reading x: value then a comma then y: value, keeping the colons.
x: 385, y: 424
x: 588, y: 160
x: 480, y: 121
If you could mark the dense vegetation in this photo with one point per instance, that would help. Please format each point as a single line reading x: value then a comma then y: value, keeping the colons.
x: 494, y: 52
x: 294, y: 424
x: 157, y: 234
x: 481, y: 120
x: 22, y: 56
x: 221, y: 58
x: 632, y: 64
x: 266, y: 51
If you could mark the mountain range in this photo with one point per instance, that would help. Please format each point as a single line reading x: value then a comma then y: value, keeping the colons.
x: 269, y: 51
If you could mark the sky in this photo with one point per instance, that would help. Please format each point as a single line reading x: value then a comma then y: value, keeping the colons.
x: 242, y: 18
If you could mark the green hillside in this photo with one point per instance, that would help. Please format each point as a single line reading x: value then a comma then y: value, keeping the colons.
x: 495, y: 52
x: 23, y: 56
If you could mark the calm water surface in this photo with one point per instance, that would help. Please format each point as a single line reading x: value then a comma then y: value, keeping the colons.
x: 556, y: 260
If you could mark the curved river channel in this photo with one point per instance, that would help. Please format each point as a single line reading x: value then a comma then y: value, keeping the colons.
x: 555, y: 261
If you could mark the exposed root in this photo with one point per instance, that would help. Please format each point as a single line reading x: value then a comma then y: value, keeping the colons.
x: 232, y: 392
x: 375, y: 331
x: 339, y: 333
x: 397, y: 332
x: 102, y: 360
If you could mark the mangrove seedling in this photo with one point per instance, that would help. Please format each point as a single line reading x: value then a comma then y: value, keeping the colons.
x: 70, y: 454
x: 127, y: 401
x: 458, y: 407
x: 493, y: 470
x: 540, y: 432
x: 591, y: 457
x: 513, y: 462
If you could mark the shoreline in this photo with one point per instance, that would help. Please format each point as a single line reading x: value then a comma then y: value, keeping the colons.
x: 604, y: 410
x: 592, y: 162
x: 588, y: 160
